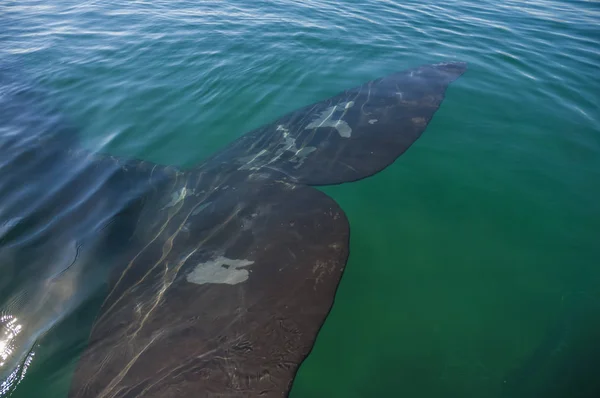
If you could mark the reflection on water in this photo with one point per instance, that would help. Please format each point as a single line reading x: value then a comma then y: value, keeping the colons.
x: 37, y: 306
x: 11, y: 376
x: 10, y: 329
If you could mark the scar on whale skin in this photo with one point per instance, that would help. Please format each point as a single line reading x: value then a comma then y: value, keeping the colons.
x: 326, y: 120
x: 220, y: 270
x: 289, y: 145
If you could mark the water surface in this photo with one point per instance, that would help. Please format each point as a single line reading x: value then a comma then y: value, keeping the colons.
x: 474, y: 258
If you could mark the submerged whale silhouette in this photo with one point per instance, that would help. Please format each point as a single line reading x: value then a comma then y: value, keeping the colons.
x: 220, y: 276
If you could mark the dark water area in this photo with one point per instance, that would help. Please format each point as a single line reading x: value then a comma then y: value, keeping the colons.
x: 473, y: 266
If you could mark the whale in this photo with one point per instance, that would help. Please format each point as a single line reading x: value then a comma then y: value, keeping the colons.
x: 216, y: 278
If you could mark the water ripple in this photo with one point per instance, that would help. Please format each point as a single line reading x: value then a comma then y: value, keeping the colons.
x: 174, y: 81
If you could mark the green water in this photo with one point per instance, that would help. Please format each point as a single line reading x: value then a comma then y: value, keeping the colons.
x: 476, y: 250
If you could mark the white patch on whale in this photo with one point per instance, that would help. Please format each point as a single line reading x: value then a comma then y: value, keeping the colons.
x: 220, y: 270
x: 325, y: 119
x: 288, y: 144
x: 177, y: 197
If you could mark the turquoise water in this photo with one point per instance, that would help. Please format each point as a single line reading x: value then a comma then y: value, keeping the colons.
x: 474, y: 266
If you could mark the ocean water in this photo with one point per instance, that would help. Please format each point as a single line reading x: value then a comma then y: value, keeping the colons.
x: 475, y: 258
